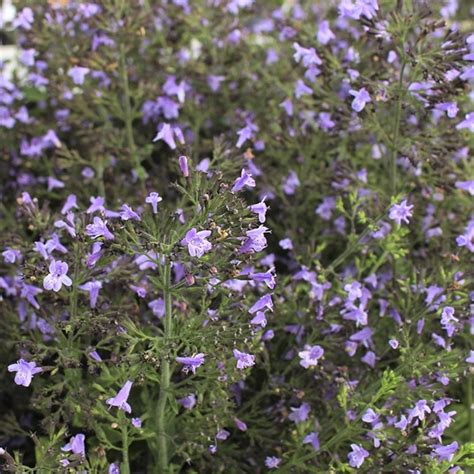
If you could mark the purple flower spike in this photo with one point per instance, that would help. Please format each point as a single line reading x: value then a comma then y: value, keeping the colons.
x: 57, y: 276
x: 120, y: 400
x: 196, y: 242
x: 191, y: 363
x: 24, y: 372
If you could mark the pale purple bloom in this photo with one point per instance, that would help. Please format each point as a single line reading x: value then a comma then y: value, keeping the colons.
x: 264, y: 302
x: 188, y: 402
x: 287, y: 104
x: 120, y: 400
x: 245, y: 179
x: 93, y: 288
x: 24, y: 372
x: 357, y: 456
x: 11, y: 255
x: 260, y: 209
x: 127, y: 213
x: 76, y: 445
x: 153, y: 199
x: 114, y: 468
x: 448, y: 320
x: 157, y: 307
x: 401, y: 212
x: 313, y: 439
x: 97, y: 204
x: 95, y: 356
x: 137, y: 422
x: 196, y: 242
x: 99, y: 228
x: 54, y: 183
x: 302, y: 89
x: 78, y: 74
x: 167, y: 134
x: 325, y: 35
x: 268, y: 278
x: 71, y: 202
x: 451, y: 108
x: 286, y: 244
x: 419, y: 411
x: 466, y: 186
x: 470, y: 358
x: 244, y: 360
x: 445, y: 453
x: 191, y: 363
x: 255, y: 241
x: 402, y: 423
x: 214, y: 82
x: 310, y: 356
x: 307, y: 56
x: 467, y: 123
x: 259, y: 319
x: 246, y: 133
x: 290, y: 183
x: 241, y: 425
x: 300, y: 414
x: 183, y: 165
x: 272, y: 462
x: 393, y: 343
x: 57, y: 276
x: 361, y: 98
x: 222, y: 435
x: 24, y: 19
x: 370, y: 416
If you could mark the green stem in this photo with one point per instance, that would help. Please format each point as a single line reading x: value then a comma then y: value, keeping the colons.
x: 396, y: 133
x: 128, y: 116
x: 125, y: 467
x: 165, y: 374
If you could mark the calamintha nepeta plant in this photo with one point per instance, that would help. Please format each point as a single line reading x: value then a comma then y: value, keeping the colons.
x: 163, y: 160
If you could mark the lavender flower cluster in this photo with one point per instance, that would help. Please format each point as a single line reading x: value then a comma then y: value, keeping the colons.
x: 237, y: 235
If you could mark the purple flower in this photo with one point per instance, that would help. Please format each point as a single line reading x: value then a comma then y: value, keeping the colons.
x: 370, y: 416
x: 153, y: 199
x: 393, y: 343
x: 313, y: 439
x: 196, y: 242
x: 245, y: 179
x: 448, y: 321
x: 183, y: 165
x: 325, y: 35
x: 246, y: 133
x: 272, y: 462
x: 300, y: 414
x: 241, y: 425
x: 445, y: 453
x: 120, y: 400
x: 302, y: 89
x: 191, y: 363
x: 24, y: 19
x: 264, y: 302
x: 361, y: 98
x: 222, y: 435
x: 24, y: 372
x: 11, y: 255
x: 57, y: 276
x: 470, y: 358
x: 466, y: 186
x: 167, y: 133
x: 260, y: 209
x: 76, y: 445
x: 255, y: 241
x: 357, y: 456
x: 93, y: 288
x: 78, y: 74
x: 244, y: 360
x: 71, y: 202
x: 468, y: 123
x: 137, y: 422
x: 401, y: 212
x: 99, y: 228
x: 127, y: 213
x: 290, y: 183
x: 268, y: 278
x: 419, y: 411
x: 310, y: 356
x: 188, y: 402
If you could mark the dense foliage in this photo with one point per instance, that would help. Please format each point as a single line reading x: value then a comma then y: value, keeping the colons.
x: 237, y: 235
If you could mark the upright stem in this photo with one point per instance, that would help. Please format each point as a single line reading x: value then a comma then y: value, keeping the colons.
x: 396, y: 133
x: 128, y: 118
x: 165, y: 374
x: 125, y: 467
